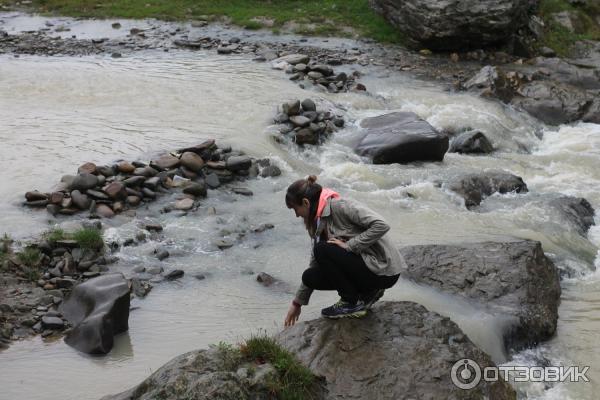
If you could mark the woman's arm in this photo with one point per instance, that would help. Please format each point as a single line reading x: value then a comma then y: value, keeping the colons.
x: 373, y: 224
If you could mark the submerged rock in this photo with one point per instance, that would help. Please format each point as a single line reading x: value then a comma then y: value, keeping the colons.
x: 577, y: 211
x: 513, y: 279
x: 471, y: 142
x: 475, y: 187
x: 399, y: 351
x: 401, y: 137
x: 98, y: 309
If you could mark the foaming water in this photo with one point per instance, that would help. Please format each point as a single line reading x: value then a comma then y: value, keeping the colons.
x: 57, y: 113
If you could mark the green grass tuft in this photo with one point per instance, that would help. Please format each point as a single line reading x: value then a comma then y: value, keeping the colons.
x: 253, y: 25
x: 88, y: 238
x: 295, y: 381
x: 231, y: 356
x: 54, y: 235
x: 30, y: 256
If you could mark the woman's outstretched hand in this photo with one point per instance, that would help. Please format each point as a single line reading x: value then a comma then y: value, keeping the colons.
x: 338, y: 242
x: 292, y: 315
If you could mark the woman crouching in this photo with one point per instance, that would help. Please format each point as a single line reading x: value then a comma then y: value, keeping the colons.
x: 350, y: 251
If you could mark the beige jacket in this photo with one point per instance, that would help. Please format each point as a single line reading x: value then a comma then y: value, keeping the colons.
x: 364, y: 232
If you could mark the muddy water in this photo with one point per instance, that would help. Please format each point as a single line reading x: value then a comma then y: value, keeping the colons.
x: 57, y: 113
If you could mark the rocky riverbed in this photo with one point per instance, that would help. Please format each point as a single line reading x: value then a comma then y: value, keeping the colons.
x: 214, y: 251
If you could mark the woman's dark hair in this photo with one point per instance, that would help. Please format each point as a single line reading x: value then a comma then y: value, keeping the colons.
x: 305, y: 189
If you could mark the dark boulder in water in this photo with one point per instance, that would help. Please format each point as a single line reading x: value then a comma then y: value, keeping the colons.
x: 401, y: 137
x: 98, y: 309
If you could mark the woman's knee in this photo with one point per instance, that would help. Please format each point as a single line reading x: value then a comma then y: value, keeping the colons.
x: 309, y: 278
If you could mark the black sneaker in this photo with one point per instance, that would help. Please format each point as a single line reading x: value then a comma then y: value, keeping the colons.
x: 343, y: 309
x: 371, y: 297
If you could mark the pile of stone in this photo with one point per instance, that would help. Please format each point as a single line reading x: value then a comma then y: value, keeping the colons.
x: 37, y: 43
x: 305, y: 124
x: 62, y: 265
x: 25, y: 312
x: 322, y: 76
x: 106, y: 190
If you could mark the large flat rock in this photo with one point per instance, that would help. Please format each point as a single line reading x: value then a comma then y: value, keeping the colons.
x: 401, y: 137
x: 513, y: 279
x: 399, y: 351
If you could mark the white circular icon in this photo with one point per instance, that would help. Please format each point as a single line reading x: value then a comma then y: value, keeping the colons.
x: 465, y: 374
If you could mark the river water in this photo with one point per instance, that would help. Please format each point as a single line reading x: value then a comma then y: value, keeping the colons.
x: 57, y: 113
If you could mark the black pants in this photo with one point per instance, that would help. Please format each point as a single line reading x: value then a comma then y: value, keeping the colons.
x: 345, y: 272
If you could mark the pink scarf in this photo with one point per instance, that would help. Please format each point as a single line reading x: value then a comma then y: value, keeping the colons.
x: 326, y: 194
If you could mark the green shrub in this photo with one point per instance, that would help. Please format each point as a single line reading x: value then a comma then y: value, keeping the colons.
x: 30, y: 256
x: 88, y: 238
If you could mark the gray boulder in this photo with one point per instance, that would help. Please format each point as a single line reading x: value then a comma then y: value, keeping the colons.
x: 399, y: 351
x: 513, y: 279
x: 401, y: 137
x: 553, y: 90
x: 98, y: 309
x: 474, y: 142
x: 592, y: 114
x: 454, y: 24
x: 552, y: 102
x: 475, y: 187
x: 196, y: 189
x: 306, y: 136
x: 192, y: 161
x: 80, y: 200
x: 308, y: 105
x: 238, y: 163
